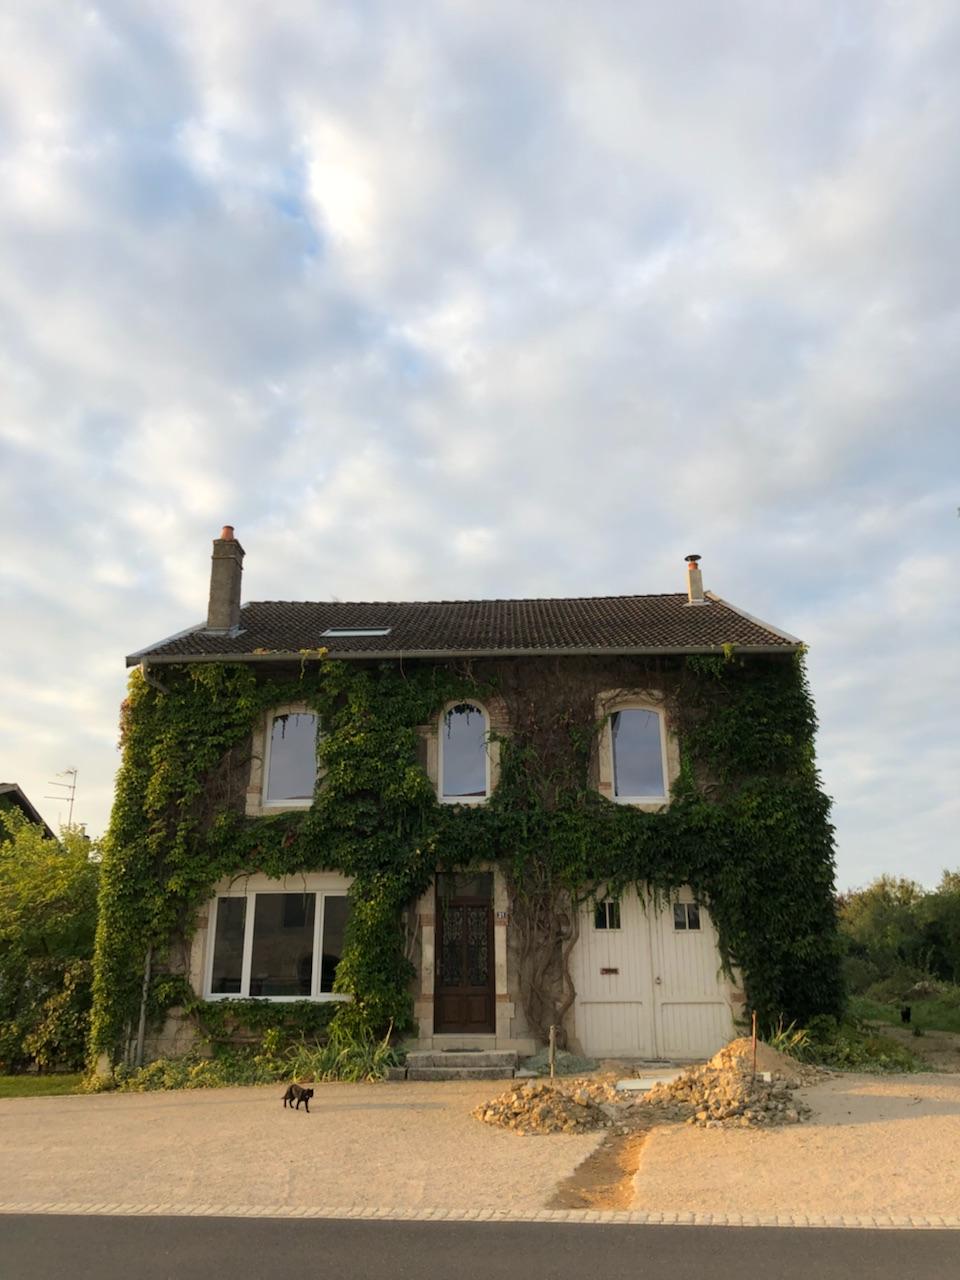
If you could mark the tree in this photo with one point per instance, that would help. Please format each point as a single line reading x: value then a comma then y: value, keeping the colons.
x: 882, y: 926
x: 48, y: 915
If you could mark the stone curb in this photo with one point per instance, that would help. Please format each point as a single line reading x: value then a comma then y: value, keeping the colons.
x: 869, y: 1222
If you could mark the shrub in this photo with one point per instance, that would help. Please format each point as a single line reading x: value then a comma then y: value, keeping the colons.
x: 48, y: 912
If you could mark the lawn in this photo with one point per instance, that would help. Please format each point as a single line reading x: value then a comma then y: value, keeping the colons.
x: 936, y: 1013
x: 38, y: 1086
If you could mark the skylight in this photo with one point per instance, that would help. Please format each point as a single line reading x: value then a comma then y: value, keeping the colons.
x: 335, y: 633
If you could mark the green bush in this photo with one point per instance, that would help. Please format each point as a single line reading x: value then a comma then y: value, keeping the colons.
x: 847, y: 1046
x: 48, y: 913
x: 346, y: 1056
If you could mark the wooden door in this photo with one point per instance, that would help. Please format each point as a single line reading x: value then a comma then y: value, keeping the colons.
x: 612, y: 968
x: 464, y: 991
x: 693, y: 1010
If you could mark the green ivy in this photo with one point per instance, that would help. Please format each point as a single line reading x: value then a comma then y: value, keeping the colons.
x: 748, y: 827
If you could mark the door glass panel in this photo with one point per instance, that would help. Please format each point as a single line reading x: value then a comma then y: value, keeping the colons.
x: 228, y: 946
x: 478, y: 946
x: 282, y: 963
x: 336, y: 912
x: 451, y: 952
x: 465, y: 884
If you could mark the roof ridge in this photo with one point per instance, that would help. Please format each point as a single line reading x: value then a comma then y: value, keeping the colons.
x: 650, y: 595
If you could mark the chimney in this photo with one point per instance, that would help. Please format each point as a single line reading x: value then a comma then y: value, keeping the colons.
x: 694, y: 581
x: 226, y: 571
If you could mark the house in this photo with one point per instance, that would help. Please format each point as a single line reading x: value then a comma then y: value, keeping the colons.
x: 13, y: 797
x: 472, y: 820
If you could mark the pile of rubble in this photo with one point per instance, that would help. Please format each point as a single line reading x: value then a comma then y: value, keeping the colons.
x: 722, y: 1094
x: 725, y: 1094
x: 544, y: 1106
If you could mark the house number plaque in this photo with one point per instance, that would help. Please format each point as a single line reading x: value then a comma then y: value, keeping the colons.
x: 609, y: 970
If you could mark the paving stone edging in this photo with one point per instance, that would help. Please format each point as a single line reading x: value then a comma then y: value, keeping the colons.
x: 871, y: 1222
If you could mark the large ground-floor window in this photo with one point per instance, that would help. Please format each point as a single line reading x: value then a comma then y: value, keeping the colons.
x: 276, y: 941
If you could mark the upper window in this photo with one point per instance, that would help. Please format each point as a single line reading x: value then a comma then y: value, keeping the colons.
x: 464, y: 756
x: 637, y: 741
x: 291, y: 772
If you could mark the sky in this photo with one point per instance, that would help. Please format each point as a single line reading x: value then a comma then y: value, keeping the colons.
x: 465, y: 298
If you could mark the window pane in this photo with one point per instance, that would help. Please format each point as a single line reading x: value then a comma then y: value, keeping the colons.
x: 336, y: 913
x: 679, y: 915
x: 464, y: 753
x: 637, y: 758
x: 282, y: 963
x: 613, y: 915
x: 693, y: 916
x: 465, y: 884
x: 600, y: 916
x: 293, y: 757
x: 228, y: 946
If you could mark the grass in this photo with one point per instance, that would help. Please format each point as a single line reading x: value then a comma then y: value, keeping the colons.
x: 38, y: 1086
x: 934, y: 1013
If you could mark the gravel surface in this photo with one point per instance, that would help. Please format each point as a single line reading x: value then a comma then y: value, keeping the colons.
x: 408, y: 1145
x: 874, y: 1145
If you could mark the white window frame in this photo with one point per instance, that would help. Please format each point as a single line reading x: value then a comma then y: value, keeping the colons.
x: 297, y: 709
x: 607, y: 927
x: 637, y: 705
x: 687, y: 904
x: 323, y: 886
x: 487, y: 762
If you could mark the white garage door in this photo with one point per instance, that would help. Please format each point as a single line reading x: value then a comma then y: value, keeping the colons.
x: 648, y: 981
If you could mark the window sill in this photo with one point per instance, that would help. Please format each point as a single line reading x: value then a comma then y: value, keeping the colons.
x: 325, y: 997
x: 465, y: 800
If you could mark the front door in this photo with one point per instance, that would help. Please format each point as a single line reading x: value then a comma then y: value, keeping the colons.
x: 464, y: 992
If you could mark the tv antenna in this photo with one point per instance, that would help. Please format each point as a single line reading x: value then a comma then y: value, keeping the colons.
x: 70, y: 791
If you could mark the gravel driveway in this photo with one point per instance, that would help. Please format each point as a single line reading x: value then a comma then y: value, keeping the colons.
x: 374, y: 1146
x: 875, y: 1146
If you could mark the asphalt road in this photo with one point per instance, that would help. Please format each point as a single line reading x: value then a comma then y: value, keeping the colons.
x: 93, y: 1248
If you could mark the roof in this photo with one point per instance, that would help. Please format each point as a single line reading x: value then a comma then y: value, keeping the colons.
x: 12, y: 793
x: 272, y: 629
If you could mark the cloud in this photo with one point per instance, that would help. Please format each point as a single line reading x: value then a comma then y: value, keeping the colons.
x: 485, y: 299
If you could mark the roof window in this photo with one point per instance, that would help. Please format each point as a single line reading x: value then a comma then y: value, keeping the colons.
x: 335, y: 633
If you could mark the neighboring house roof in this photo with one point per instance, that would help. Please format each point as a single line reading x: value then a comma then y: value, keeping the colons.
x: 11, y: 793
x: 271, y: 629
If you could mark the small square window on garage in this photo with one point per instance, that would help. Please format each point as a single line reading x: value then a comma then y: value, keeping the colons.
x: 686, y: 915
x: 607, y: 915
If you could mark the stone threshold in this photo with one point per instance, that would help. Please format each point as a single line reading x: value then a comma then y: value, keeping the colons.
x: 121, y: 1209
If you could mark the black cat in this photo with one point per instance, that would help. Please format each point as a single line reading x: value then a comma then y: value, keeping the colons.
x: 298, y: 1092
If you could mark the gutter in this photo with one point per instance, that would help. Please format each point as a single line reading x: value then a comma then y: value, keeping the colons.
x: 384, y: 655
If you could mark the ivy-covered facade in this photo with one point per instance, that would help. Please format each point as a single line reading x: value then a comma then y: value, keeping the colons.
x: 466, y: 820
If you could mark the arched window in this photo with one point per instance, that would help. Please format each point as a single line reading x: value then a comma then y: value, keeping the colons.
x: 464, y: 755
x: 291, y: 764
x: 637, y: 745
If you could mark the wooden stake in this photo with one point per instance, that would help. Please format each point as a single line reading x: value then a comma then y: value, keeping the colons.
x: 754, y: 1044
x: 553, y: 1052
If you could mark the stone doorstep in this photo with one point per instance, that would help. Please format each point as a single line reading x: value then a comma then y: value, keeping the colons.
x: 505, y: 1059
x: 459, y: 1073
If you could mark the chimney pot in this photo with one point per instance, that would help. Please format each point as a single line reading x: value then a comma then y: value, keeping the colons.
x: 694, y: 581
x: 226, y: 571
